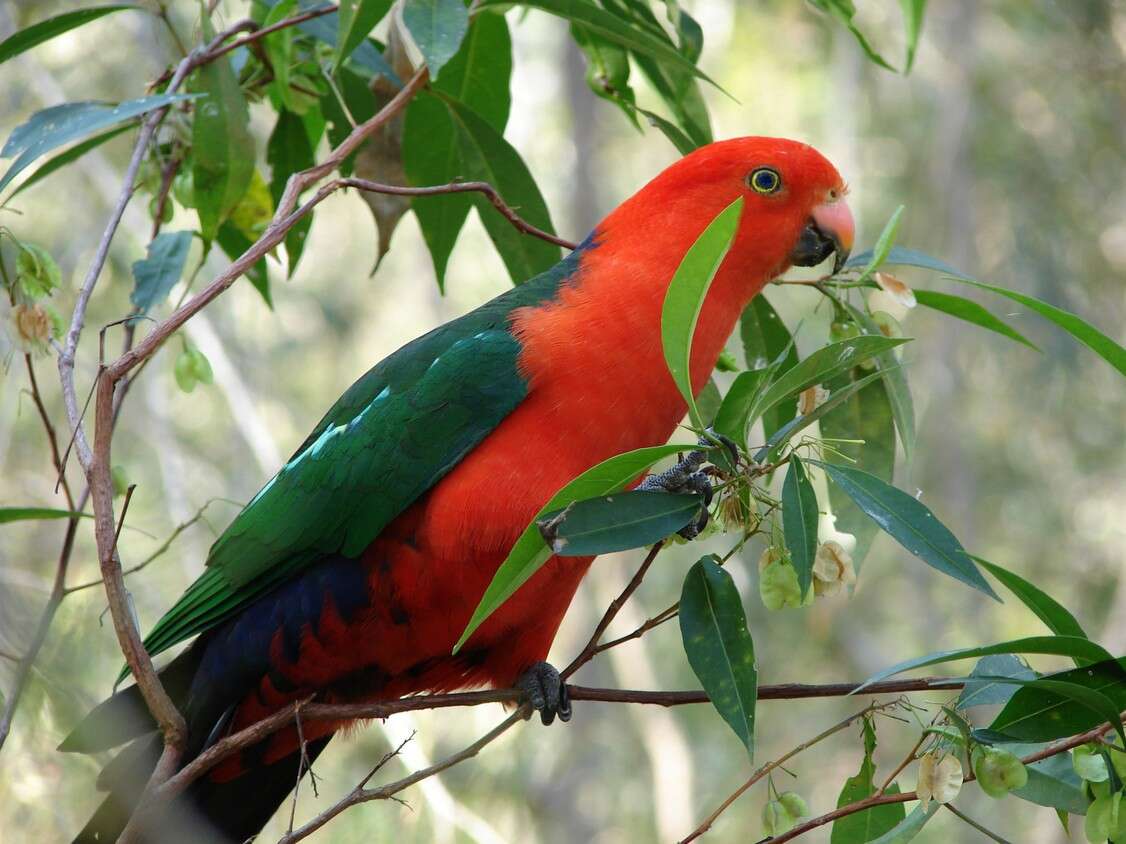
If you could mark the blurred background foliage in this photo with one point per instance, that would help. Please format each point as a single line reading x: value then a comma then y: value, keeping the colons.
x: 1006, y: 143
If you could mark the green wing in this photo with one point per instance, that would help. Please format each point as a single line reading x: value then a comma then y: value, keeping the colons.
x: 386, y: 441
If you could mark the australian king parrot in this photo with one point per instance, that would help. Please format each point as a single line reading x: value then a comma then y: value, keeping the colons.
x: 352, y: 573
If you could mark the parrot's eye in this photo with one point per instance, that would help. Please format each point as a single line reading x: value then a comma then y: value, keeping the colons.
x: 764, y: 180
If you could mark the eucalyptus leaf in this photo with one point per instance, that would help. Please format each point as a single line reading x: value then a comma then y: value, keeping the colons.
x: 1050, y: 611
x: 902, y: 255
x: 732, y: 418
x: 1043, y: 713
x: 685, y: 298
x: 437, y: 27
x: 157, y: 273
x: 895, y: 383
x: 65, y: 158
x: 618, y: 522
x: 913, y: 11
x: 910, y: 523
x: 355, y: 19
x: 969, y: 311
x: 1051, y: 645
x: 36, y: 34
x: 767, y: 341
x: 981, y: 690
x: 530, y: 552
x: 53, y: 127
x: 718, y: 645
x: 799, y: 521
x: 843, y: 11
x: 19, y: 514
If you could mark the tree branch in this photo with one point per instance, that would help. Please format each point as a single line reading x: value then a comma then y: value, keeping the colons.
x: 488, y: 190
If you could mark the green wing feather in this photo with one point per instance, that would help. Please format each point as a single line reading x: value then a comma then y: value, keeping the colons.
x: 388, y: 439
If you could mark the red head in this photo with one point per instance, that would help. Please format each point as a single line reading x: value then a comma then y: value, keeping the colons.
x: 794, y: 210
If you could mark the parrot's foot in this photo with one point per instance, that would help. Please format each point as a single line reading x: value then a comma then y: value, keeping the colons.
x: 688, y: 476
x: 545, y: 690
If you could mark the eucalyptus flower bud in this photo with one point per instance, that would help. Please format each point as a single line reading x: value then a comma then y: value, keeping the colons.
x: 998, y: 771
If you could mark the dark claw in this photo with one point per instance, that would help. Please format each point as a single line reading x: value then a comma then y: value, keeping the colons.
x: 685, y: 476
x: 546, y: 691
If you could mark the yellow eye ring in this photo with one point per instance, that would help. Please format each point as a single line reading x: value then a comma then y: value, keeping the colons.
x: 764, y: 180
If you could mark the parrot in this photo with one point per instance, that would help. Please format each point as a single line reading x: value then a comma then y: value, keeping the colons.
x: 351, y: 574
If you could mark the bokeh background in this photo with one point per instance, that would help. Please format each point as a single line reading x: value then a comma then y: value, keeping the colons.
x: 1007, y: 145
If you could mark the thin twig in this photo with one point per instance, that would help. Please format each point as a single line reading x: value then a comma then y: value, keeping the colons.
x: 908, y: 796
x: 360, y: 794
x: 488, y: 190
x: 706, y: 824
x: 591, y: 648
x: 987, y: 833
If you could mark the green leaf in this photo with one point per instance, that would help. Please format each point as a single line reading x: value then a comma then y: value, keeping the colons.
x: 58, y: 125
x: 867, y: 415
x: 157, y: 273
x: 685, y: 298
x: 1051, y: 782
x: 486, y: 156
x: 913, y: 24
x: 279, y: 50
x: 222, y: 146
x: 607, y: 26
x: 719, y: 647
x: 19, y: 514
x: 676, y: 136
x: 708, y: 401
x: 731, y: 421
x: 765, y: 340
x: 895, y: 383
x: 36, y: 34
x: 910, y: 523
x: 437, y: 27
x: 862, y: 827
x: 799, y: 521
x: 360, y: 103
x: 825, y: 364
x: 287, y: 152
x: 909, y: 827
x: 981, y: 690
x: 884, y: 243
x: 71, y: 155
x: 1054, y: 615
x: 970, y: 311
x: 904, y: 256
x: 355, y: 20
x: 784, y: 434
x: 607, y: 71
x: 615, y: 523
x: 478, y: 76
x: 843, y: 11
x: 530, y: 551
x: 1081, y: 330
x: 1039, y: 712
x: 1051, y: 645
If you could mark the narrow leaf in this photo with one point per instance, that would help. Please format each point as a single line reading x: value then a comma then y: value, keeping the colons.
x: 969, y: 311
x: 732, y: 418
x: 913, y: 11
x: 36, y: 34
x: 1051, y: 645
x: 530, y: 551
x: 1043, y: 714
x: 65, y: 158
x: 437, y: 27
x: 825, y: 364
x: 289, y: 151
x: 608, y: 26
x: 766, y: 340
x: 895, y: 383
x: 19, y: 514
x: 59, y: 125
x: 1081, y: 330
x: 910, y: 523
x: 1054, y: 615
x: 355, y: 20
x: 980, y: 690
x: 685, y: 298
x: 615, y: 523
x: 884, y: 243
x: 862, y: 827
x: 904, y: 256
x: 222, y: 146
x: 799, y: 521
x: 719, y: 646
x: 909, y: 827
x: 157, y: 273
x: 843, y: 11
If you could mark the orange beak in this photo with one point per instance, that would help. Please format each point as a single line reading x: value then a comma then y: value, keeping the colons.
x: 830, y: 231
